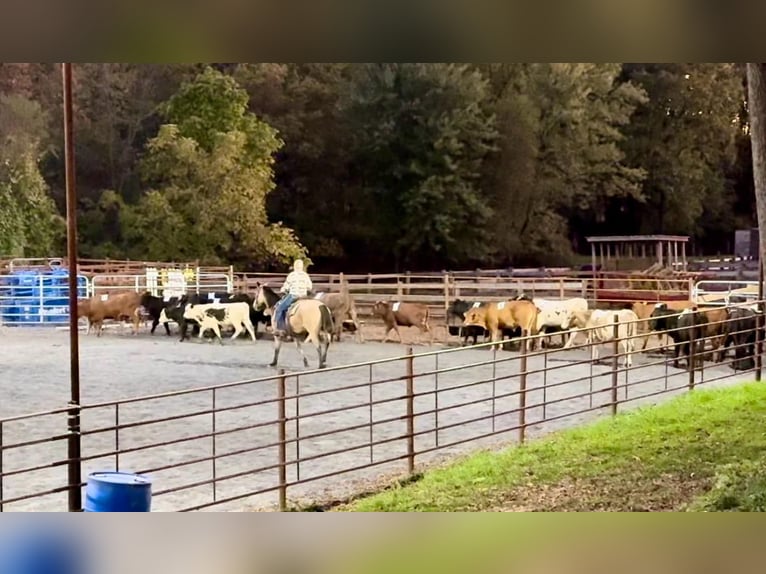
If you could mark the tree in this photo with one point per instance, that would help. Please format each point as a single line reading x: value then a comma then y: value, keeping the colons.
x: 209, y: 173
x: 311, y: 171
x: 559, y: 164
x: 30, y: 225
x: 684, y: 137
x: 756, y: 92
x: 421, y: 134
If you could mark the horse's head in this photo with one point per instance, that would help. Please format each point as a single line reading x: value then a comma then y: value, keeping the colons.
x: 264, y: 298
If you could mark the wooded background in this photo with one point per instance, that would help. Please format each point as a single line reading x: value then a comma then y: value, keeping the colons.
x: 374, y: 167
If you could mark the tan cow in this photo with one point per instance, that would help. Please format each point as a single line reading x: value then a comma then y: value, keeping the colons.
x: 117, y: 306
x: 716, y: 329
x: 644, y: 310
x: 342, y: 307
x: 500, y: 315
x: 403, y: 314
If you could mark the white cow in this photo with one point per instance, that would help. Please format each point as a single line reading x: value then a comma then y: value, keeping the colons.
x: 553, y: 312
x: 600, y: 329
x: 213, y: 315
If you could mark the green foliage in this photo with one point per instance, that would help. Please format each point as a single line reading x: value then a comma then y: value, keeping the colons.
x: 560, y: 159
x: 684, y: 137
x: 422, y: 131
x: 211, y: 104
x: 649, y: 458
x: 738, y: 486
x: 210, y: 174
x: 29, y: 222
x: 376, y: 166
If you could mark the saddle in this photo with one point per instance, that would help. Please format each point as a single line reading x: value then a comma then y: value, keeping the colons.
x: 289, y: 312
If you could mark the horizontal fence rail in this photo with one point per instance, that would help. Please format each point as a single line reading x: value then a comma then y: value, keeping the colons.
x: 286, y: 439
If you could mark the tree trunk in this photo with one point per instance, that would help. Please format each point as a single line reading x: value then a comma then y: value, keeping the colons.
x: 756, y: 105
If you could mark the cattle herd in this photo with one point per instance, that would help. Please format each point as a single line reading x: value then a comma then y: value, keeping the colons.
x: 682, y: 322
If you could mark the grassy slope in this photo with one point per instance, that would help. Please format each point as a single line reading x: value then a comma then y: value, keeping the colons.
x: 705, y: 450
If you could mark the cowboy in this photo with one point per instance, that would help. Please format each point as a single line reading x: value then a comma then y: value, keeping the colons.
x: 297, y: 284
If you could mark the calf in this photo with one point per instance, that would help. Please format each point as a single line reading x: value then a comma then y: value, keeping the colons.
x: 154, y: 307
x: 399, y: 314
x: 716, y: 329
x: 235, y: 315
x: 683, y: 328
x: 644, y: 310
x: 496, y: 316
x: 175, y: 312
x: 342, y: 307
x: 119, y: 306
x: 457, y: 310
x: 599, y: 327
x: 551, y: 314
x: 742, y: 334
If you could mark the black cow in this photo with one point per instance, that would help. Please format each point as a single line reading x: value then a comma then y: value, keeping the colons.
x: 743, y: 323
x: 154, y: 306
x: 175, y: 312
x: 682, y: 328
x: 457, y: 310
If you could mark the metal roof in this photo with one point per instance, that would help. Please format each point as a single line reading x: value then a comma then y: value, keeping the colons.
x: 626, y: 238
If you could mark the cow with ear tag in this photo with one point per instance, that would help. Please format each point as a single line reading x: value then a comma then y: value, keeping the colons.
x: 400, y: 314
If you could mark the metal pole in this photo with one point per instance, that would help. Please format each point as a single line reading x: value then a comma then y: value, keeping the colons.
x: 74, y: 470
x: 410, y: 413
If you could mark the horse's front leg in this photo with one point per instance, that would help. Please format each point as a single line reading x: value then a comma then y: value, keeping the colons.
x: 277, y: 345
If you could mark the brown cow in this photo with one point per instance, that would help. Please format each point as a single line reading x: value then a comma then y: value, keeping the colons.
x: 716, y: 330
x: 644, y: 310
x: 504, y: 315
x: 403, y: 314
x: 342, y: 307
x: 117, y: 306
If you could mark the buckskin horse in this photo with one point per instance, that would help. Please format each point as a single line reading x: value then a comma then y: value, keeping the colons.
x: 307, y: 320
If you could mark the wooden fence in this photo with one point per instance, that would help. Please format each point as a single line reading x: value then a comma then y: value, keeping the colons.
x: 435, y: 289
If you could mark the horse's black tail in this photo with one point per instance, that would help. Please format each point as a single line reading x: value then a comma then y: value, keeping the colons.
x: 328, y: 326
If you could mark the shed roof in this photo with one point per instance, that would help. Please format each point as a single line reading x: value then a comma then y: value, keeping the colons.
x: 633, y: 238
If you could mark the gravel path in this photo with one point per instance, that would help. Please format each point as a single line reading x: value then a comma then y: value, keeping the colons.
x: 35, y: 377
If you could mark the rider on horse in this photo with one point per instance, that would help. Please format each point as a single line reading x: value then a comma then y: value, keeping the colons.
x: 298, y: 284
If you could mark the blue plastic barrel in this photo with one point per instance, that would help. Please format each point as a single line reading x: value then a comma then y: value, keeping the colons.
x: 118, y: 492
x: 45, y: 550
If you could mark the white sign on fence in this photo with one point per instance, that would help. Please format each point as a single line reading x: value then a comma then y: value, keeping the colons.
x: 174, y: 283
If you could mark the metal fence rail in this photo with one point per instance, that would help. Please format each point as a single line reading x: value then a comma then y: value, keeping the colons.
x: 283, y: 440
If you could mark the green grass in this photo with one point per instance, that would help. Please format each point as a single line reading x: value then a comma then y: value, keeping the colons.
x: 705, y: 450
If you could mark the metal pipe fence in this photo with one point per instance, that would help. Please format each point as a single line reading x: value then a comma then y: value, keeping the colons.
x: 298, y: 437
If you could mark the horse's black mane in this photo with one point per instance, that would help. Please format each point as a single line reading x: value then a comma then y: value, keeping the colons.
x: 270, y: 293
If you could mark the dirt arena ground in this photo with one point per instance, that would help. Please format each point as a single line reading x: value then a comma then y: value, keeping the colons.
x: 35, y: 377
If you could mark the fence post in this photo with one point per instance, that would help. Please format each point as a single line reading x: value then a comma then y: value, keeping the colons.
x: 446, y: 291
x: 74, y: 465
x: 215, y: 476
x: 615, y: 362
x: 758, y: 344
x: 410, y: 413
x: 282, y: 438
x: 523, y: 389
x: 2, y: 496
x: 691, y: 358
